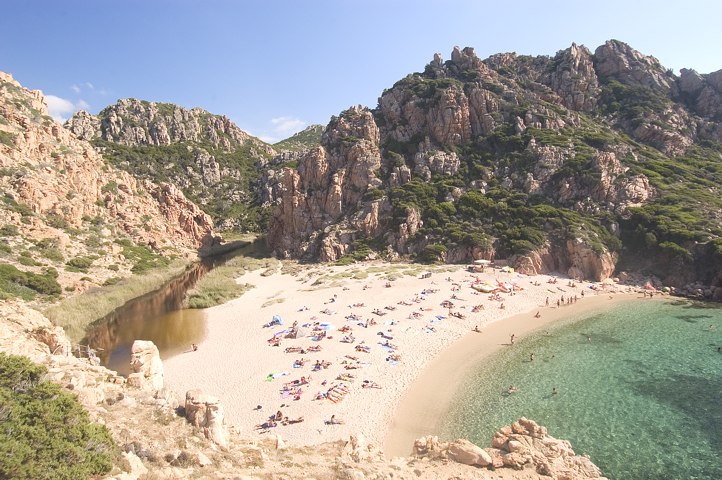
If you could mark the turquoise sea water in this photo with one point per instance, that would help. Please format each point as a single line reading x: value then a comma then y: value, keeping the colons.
x: 639, y: 389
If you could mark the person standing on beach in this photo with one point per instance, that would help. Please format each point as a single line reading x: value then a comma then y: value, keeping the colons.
x: 512, y: 338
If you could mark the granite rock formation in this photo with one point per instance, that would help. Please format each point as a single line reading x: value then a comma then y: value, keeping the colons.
x: 524, y: 444
x: 206, y: 156
x: 146, y: 368
x: 65, y: 201
x: 206, y: 413
x: 591, y: 135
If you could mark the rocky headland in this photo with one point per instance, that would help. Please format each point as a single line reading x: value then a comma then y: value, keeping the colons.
x: 571, y: 163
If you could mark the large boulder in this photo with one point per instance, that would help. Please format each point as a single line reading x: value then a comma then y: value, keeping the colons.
x: 206, y: 413
x: 463, y: 451
x: 145, y: 366
x: 522, y: 445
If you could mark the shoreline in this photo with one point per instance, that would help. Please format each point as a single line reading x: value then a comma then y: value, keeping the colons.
x: 422, y: 407
x: 405, y: 304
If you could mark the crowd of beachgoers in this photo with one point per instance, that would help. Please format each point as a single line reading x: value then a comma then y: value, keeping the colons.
x: 317, y: 356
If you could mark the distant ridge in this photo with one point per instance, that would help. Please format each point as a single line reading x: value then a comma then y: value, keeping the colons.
x: 207, y: 156
x: 307, y: 138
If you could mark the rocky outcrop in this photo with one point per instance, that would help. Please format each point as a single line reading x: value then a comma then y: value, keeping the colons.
x: 146, y: 367
x: 523, y: 445
x: 136, y: 122
x: 59, y: 192
x: 326, y: 188
x: 703, y: 92
x: 575, y: 258
x: 574, y: 79
x: 206, y: 156
x: 618, y: 61
x: 206, y: 413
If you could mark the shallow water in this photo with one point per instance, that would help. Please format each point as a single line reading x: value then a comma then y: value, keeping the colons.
x: 639, y: 389
x: 156, y: 316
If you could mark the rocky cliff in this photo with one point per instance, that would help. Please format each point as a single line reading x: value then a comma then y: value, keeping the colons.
x: 69, y: 218
x: 571, y: 163
x: 159, y: 442
x: 207, y: 156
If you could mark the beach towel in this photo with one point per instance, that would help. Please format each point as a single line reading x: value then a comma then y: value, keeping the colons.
x: 386, y: 347
x: 428, y: 330
x: 440, y: 317
x: 392, y: 362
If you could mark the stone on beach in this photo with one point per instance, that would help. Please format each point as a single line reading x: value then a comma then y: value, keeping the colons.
x: 145, y: 366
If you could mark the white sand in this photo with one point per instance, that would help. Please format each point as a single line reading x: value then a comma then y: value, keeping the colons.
x: 234, y: 360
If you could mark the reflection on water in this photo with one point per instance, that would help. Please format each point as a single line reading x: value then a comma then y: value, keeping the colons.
x: 154, y: 316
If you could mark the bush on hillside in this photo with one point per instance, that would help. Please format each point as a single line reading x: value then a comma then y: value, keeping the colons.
x: 44, y: 432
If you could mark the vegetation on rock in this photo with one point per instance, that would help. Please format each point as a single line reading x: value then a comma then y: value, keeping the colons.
x: 45, y: 433
x: 512, y: 154
x: 308, y: 138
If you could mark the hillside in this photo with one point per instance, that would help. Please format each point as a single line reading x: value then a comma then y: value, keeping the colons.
x: 306, y: 139
x: 69, y: 220
x: 207, y: 156
x: 584, y: 163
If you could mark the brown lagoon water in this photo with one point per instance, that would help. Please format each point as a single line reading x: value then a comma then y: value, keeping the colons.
x: 155, y: 316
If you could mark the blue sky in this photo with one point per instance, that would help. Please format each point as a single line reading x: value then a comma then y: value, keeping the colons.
x: 275, y: 67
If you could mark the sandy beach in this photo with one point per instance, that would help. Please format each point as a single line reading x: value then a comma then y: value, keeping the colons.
x: 400, y: 321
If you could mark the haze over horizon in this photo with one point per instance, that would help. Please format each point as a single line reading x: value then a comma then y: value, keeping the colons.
x: 275, y: 68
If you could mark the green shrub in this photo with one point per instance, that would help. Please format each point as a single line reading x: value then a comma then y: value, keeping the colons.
x: 48, y: 248
x: 9, y: 230
x: 45, y: 433
x: 79, y: 264
x: 14, y: 206
x: 111, y: 281
x: 7, y: 138
x: 25, y: 285
x: 432, y: 253
x: 27, y: 261
x: 110, y: 187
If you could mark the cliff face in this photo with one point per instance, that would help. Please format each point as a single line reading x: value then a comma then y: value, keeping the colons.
x: 572, y: 158
x: 65, y: 208
x: 207, y: 156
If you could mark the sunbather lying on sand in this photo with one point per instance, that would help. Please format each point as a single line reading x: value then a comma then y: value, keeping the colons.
x: 291, y: 421
x: 266, y: 425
